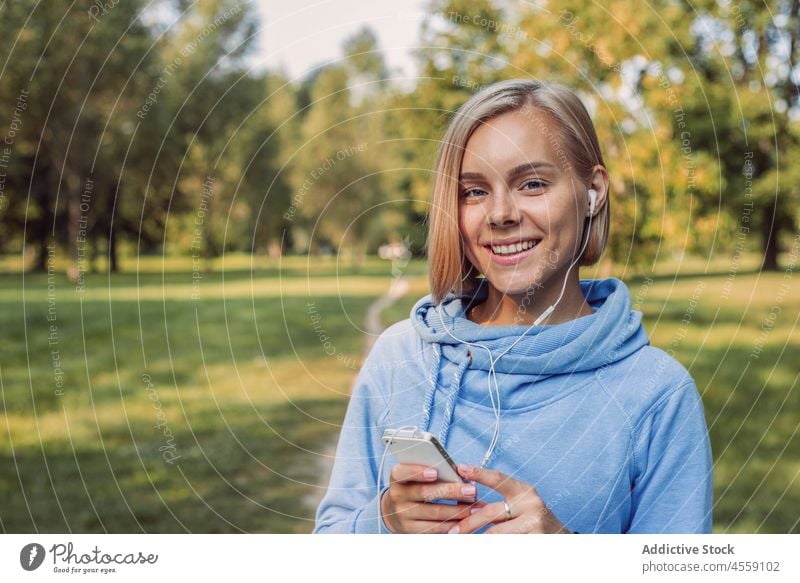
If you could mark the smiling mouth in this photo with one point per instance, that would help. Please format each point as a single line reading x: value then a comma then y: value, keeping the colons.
x: 514, y: 248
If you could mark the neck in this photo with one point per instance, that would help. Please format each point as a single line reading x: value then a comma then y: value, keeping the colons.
x: 523, y: 309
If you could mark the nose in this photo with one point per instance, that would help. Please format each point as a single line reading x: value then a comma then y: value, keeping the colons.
x: 503, y: 211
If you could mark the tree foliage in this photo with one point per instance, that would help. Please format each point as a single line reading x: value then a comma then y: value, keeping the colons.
x: 144, y: 127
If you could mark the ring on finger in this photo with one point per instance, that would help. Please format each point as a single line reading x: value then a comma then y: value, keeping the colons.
x: 507, y: 509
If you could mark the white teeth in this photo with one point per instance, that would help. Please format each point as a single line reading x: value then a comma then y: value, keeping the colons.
x: 511, y: 249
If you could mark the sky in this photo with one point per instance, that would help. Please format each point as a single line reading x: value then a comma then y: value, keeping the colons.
x: 299, y: 34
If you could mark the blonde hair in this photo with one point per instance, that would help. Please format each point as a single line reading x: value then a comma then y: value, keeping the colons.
x: 449, y: 268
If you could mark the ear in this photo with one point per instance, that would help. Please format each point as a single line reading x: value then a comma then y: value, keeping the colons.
x: 599, y: 182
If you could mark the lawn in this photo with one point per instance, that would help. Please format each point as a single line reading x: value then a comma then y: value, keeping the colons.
x: 160, y: 401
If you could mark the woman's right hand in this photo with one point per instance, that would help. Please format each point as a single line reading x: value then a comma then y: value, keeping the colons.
x: 407, y: 505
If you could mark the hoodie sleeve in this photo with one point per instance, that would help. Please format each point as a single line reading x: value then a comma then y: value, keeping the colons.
x: 672, y: 482
x: 352, y: 502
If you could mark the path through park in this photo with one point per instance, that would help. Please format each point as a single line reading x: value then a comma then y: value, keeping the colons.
x: 373, y: 328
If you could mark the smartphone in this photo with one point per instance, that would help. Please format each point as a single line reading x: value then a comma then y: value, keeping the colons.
x: 412, y: 446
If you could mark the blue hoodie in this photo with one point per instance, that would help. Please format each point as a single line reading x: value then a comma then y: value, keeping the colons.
x: 608, y: 429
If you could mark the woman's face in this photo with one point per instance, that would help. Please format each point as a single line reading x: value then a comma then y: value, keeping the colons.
x: 521, y: 207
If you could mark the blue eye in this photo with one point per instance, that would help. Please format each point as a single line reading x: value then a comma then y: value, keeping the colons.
x: 471, y: 192
x: 538, y: 183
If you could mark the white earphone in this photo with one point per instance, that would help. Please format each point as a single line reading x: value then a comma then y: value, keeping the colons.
x: 592, y: 201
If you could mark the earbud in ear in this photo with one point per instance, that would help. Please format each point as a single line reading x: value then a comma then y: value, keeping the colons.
x: 592, y: 201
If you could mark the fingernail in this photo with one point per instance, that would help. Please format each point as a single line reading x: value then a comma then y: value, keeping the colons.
x: 468, y: 490
x: 466, y: 468
x: 454, y: 530
x: 473, y: 510
x: 429, y: 473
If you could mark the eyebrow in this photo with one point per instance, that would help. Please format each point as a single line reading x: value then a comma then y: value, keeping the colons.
x: 514, y: 172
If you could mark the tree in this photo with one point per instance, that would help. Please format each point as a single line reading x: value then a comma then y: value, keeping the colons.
x: 668, y: 103
x: 745, y: 58
x: 77, y: 70
x: 337, y: 172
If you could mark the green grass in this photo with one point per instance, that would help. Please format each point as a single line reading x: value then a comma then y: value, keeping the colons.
x: 244, y: 384
x: 253, y: 400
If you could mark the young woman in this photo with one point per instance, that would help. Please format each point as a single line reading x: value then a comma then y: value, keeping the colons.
x: 542, y: 386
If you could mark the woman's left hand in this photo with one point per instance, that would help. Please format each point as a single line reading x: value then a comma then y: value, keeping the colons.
x: 529, y: 513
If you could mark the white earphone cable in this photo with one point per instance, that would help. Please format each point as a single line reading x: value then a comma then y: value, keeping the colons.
x: 492, y: 377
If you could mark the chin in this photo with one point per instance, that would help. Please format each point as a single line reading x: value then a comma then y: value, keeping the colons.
x: 516, y: 288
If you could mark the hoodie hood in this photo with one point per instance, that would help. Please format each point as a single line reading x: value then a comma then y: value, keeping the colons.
x: 611, y: 333
x: 546, y: 363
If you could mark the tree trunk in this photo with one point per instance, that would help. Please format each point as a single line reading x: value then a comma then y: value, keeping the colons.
x: 113, y: 264
x: 359, y: 256
x: 41, y: 257
x: 94, y: 252
x: 73, y: 218
x: 42, y: 190
x: 770, y: 230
